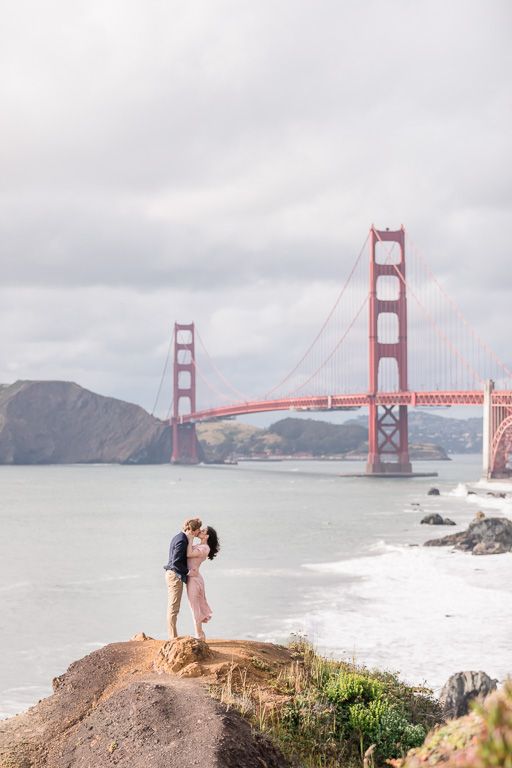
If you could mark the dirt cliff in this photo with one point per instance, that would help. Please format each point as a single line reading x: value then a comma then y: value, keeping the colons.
x: 137, y: 704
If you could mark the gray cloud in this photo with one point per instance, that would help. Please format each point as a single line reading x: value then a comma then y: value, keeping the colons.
x: 223, y: 161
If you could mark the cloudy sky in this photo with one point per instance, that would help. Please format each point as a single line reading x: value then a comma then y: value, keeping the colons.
x: 222, y: 162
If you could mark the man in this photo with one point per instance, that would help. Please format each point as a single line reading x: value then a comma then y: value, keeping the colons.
x: 176, y: 572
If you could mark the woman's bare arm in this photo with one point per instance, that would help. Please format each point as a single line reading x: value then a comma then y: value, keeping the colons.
x: 190, y: 551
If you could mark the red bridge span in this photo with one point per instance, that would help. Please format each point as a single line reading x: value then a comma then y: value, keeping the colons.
x: 443, y: 350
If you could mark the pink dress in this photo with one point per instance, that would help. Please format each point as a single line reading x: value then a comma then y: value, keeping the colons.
x: 195, y: 585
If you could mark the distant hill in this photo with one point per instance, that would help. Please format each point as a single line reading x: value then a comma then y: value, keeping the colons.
x: 454, y: 435
x: 58, y: 422
x: 225, y: 440
x: 289, y: 437
x: 319, y: 438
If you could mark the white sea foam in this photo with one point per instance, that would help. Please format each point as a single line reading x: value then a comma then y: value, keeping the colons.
x: 491, y: 502
x: 500, y: 486
x: 426, y: 613
x: 460, y: 489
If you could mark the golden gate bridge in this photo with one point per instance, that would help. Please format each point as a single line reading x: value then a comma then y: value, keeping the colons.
x: 421, y: 352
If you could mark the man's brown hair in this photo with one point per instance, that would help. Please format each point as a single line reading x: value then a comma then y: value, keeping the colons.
x: 192, y: 524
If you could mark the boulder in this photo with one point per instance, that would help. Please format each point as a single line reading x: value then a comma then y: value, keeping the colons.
x: 461, y: 688
x: 433, y: 519
x: 176, y: 655
x: 486, y: 536
x: 433, y: 492
x: 436, y: 519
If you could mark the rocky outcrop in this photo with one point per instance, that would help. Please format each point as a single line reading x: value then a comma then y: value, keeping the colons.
x: 479, y: 740
x: 487, y: 536
x: 112, y: 708
x: 183, y: 658
x: 462, y: 688
x: 436, y: 519
x: 58, y: 422
x: 433, y: 492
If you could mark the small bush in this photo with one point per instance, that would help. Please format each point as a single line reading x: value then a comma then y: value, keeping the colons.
x: 353, y: 687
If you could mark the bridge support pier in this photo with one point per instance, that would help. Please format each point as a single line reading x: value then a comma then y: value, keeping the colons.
x: 497, y: 434
x: 486, y: 431
x: 184, y: 439
x: 388, y: 436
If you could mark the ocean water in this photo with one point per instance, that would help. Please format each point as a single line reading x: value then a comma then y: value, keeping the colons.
x: 304, y: 550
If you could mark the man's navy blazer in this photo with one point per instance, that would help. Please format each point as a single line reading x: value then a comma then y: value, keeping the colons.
x: 178, y: 556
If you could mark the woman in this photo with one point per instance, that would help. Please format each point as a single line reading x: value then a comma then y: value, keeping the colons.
x: 197, y: 554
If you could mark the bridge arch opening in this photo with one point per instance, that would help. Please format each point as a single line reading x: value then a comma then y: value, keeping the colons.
x: 388, y: 375
x: 184, y: 356
x: 184, y: 379
x: 387, y: 328
x: 387, y: 253
x: 184, y: 336
x: 184, y: 405
x: 388, y: 287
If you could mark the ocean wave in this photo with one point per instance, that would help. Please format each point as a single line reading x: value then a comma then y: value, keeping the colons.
x: 460, y: 490
x: 427, y: 613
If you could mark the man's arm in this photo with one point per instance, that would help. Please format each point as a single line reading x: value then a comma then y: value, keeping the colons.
x: 181, y: 549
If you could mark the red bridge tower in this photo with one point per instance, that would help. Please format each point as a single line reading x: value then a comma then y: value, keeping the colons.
x: 388, y: 439
x: 184, y: 440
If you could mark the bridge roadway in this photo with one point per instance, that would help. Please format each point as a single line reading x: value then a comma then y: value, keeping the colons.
x: 347, y: 402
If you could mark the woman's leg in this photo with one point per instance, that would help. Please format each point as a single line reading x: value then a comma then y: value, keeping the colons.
x: 199, y: 630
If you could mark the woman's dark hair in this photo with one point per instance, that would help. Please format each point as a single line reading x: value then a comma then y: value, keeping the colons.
x: 213, y: 542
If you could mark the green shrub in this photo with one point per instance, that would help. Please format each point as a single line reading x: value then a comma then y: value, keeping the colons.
x: 336, y: 711
x: 370, y: 713
x: 352, y: 687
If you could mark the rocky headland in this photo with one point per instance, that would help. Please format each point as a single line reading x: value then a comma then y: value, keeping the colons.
x: 58, y: 422
x: 234, y: 704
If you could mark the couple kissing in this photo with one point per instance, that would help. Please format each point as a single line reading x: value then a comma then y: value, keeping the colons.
x: 185, y: 560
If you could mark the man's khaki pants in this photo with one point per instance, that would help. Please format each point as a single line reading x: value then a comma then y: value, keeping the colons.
x: 174, y: 592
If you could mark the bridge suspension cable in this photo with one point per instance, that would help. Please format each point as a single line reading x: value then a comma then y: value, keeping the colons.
x: 162, y: 377
x: 324, y: 325
x: 333, y: 351
x: 219, y: 372
x: 481, y: 342
x: 439, y: 331
x: 347, y: 330
x: 209, y: 384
